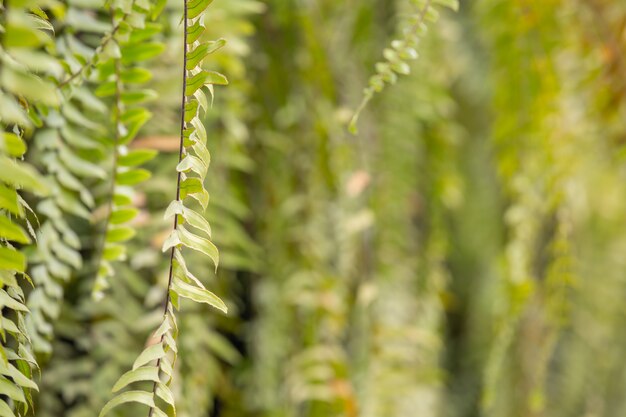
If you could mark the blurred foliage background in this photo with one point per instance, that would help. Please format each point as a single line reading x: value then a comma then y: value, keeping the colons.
x: 463, y: 255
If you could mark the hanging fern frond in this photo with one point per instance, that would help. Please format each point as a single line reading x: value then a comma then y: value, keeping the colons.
x: 23, y: 93
x: 402, y: 50
x: 191, y: 230
x: 120, y: 77
x: 69, y: 148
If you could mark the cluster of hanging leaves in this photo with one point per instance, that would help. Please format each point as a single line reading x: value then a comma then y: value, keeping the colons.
x: 402, y: 50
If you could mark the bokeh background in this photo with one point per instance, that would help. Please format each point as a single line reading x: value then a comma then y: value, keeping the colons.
x: 463, y: 255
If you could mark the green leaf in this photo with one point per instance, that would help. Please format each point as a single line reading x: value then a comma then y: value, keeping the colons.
x: 151, y: 353
x: 199, y: 244
x: 195, y: 31
x: 191, y: 217
x: 157, y: 412
x: 80, y: 166
x: 181, y: 271
x: 146, y: 373
x: 29, y: 86
x: 172, y: 241
x: 123, y: 215
x: 195, y: 57
x: 164, y: 392
x: 12, y: 260
x: 22, y: 34
x: 199, y: 130
x: 18, y: 174
x: 202, y: 78
x: 122, y: 199
x: 133, y: 176
x: 11, y: 390
x: 7, y: 301
x: 9, y: 201
x: 190, y: 186
x: 158, y: 8
x: 107, y: 89
x: 202, y: 152
x: 191, y: 110
x: 18, y: 377
x: 136, y: 75
x: 113, y: 252
x: 140, y: 397
x: 199, y: 295
x: 138, y: 96
x: 11, y: 231
x: 141, y: 52
x: 134, y: 119
x: 136, y: 157
x: 5, y: 410
x: 12, y: 144
x: 192, y: 163
x: 195, y: 7
x: 120, y: 234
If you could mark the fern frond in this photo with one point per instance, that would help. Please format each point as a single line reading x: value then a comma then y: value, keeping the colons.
x: 69, y: 148
x: 402, y: 51
x: 22, y: 94
x: 194, y: 160
x: 121, y: 76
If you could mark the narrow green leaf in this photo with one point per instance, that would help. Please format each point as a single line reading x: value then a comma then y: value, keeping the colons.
x: 141, y: 52
x: 199, y: 295
x: 11, y: 231
x: 136, y: 157
x: 190, y: 186
x: 164, y: 392
x: 195, y: 31
x: 9, y: 201
x: 80, y: 166
x: 202, y: 78
x: 140, y: 397
x: 146, y: 373
x: 12, y: 260
x: 133, y: 176
x: 151, y: 353
x: 18, y: 377
x: 123, y: 215
x: 192, y: 163
x: 199, y: 244
x: 7, y: 301
x: 136, y: 75
x: 191, y: 110
x: 120, y: 234
x: 12, y: 145
x: 113, y: 252
x: 191, y: 217
x: 5, y: 410
x: 195, y: 56
x: 19, y: 174
x: 195, y: 7
x: 138, y: 96
x: 11, y: 390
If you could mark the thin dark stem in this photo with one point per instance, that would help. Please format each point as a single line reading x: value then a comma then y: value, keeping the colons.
x: 180, y: 157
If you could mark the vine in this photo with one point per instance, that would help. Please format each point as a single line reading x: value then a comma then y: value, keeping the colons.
x: 402, y: 51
